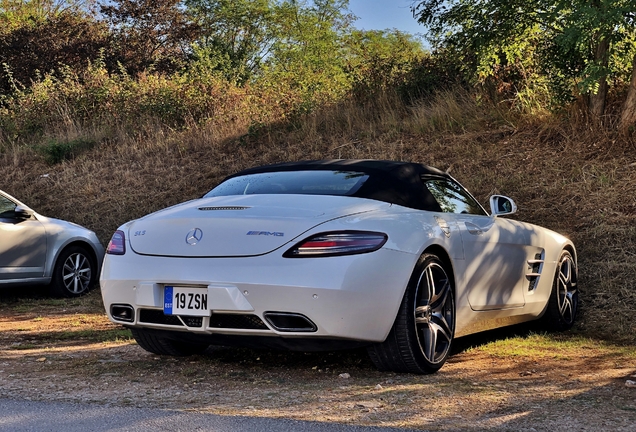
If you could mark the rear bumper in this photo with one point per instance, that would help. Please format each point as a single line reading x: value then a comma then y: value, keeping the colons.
x: 352, y: 298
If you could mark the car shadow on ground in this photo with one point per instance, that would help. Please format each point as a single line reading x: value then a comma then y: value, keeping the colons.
x: 13, y: 294
x: 478, y: 339
x: 353, y: 359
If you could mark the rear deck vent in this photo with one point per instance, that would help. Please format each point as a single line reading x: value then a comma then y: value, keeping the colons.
x: 223, y: 208
x: 290, y: 322
x: 236, y: 321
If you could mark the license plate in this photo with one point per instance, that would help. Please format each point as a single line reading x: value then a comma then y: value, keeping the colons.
x: 185, y: 301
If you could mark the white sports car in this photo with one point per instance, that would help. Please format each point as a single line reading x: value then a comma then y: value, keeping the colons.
x: 395, y: 256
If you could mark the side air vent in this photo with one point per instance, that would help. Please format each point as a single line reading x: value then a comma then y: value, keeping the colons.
x: 223, y: 208
x: 535, y: 266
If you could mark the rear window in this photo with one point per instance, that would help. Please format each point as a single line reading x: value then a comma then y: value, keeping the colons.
x: 292, y: 182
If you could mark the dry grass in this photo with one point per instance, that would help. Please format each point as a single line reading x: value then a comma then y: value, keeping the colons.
x: 563, y: 173
x: 536, y: 380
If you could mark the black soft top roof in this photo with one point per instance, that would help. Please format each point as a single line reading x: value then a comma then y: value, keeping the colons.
x: 389, y: 181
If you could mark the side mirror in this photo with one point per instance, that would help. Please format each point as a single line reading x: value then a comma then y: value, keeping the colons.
x: 22, y: 212
x: 501, y: 205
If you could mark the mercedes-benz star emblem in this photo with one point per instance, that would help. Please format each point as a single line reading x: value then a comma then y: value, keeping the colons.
x: 194, y: 236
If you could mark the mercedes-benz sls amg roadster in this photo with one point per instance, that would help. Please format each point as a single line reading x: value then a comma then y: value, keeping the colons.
x: 323, y: 255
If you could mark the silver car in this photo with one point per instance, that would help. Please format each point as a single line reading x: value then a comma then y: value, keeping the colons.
x: 36, y: 249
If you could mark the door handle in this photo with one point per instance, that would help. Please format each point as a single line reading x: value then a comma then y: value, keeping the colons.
x: 474, y: 229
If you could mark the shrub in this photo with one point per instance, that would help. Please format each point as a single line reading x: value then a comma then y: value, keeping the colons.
x: 56, y: 152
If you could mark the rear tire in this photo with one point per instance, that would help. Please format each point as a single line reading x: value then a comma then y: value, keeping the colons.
x: 563, y: 304
x: 162, y: 345
x: 74, y: 274
x: 423, y: 331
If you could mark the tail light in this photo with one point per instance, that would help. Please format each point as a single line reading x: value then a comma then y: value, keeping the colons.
x: 117, y: 244
x: 337, y: 243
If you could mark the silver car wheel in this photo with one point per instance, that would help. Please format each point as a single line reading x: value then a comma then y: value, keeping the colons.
x: 74, y: 274
x: 434, y: 313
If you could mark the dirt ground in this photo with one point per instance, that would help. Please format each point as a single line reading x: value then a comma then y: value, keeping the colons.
x: 57, y: 351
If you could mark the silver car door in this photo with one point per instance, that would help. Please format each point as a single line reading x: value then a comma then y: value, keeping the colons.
x: 22, y: 244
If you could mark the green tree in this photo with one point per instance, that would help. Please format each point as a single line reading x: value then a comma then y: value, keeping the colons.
x: 236, y: 35
x: 149, y: 33
x: 293, y: 45
x: 574, y: 39
x: 379, y: 59
x: 308, y: 54
x: 41, y: 37
x: 18, y: 13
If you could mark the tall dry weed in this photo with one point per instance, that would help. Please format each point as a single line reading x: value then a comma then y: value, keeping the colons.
x: 458, y: 111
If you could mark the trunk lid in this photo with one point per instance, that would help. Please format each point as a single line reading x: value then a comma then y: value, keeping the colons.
x: 231, y: 226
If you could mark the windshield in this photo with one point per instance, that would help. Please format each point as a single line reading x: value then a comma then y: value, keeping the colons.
x: 317, y: 182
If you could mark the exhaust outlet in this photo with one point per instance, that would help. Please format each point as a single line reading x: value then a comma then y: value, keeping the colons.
x: 124, y: 313
x: 290, y: 322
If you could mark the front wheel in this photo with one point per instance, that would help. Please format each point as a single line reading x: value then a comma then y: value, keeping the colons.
x: 74, y: 273
x: 422, y: 334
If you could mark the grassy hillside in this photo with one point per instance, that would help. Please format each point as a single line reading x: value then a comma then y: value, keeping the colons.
x: 563, y: 173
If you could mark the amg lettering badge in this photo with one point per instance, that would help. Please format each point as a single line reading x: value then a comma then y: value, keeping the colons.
x: 266, y: 233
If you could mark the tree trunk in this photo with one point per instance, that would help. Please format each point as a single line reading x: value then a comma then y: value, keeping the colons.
x: 597, y: 101
x: 628, y: 114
